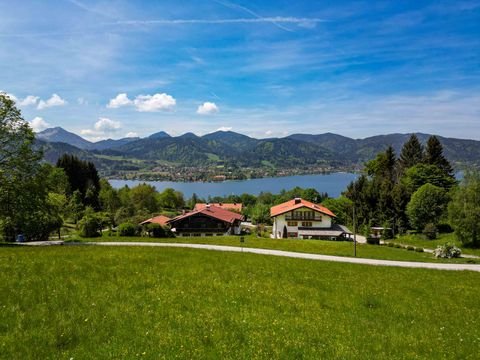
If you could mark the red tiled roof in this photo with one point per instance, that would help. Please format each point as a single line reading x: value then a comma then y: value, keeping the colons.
x: 214, y: 212
x: 160, y: 219
x: 227, y: 206
x: 297, y: 204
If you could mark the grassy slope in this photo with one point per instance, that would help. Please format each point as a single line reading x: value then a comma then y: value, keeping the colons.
x: 419, y: 240
x: 84, y: 302
x: 339, y: 248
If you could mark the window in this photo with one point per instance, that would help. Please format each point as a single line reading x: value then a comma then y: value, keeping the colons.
x: 292, y: 223
x: 197, y: 234
x: 307, y: 223
x: 292, y: 234
x: 208, y: 234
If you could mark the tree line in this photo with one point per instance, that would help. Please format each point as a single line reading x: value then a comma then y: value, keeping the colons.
x: 416, y: 190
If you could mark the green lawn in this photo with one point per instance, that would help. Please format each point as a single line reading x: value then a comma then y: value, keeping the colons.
x: 420, y: 240
x: 339, y: 248
x: 122, y: 303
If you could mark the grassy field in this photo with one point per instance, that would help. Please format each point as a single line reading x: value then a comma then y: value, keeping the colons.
x: 123, y: 303
x: 338, y: 248
x: 420, y: 240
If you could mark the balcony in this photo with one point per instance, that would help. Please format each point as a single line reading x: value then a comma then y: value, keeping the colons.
x: 302, y: 218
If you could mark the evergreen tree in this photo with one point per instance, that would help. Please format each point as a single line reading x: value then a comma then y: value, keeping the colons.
x: 411, y: 154
x: 82, y: 176
x: 434, y: 156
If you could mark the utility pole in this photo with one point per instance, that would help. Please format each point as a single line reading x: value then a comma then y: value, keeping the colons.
x: 354, y: 232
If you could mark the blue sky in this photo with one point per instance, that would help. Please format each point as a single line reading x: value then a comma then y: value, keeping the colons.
x: 105, y: 69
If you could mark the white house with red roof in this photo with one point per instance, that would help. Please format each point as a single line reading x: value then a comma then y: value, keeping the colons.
x: 208, y: 221
x: 302, y: 219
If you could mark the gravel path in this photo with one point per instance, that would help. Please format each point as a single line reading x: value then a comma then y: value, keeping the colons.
x: 290, y: 254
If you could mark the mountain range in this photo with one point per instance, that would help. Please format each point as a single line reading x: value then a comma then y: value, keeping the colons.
x: 226, y: 147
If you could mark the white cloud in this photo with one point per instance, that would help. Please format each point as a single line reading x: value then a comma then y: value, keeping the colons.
x: 119, y: 100
x: 224, y: 128
x: 29, y: 100
x: 131, y: 134
x: 157, y: 102
x: 102, y: 129
x: 38, y: 124
x: 207, y: 108
x: 55, y: 100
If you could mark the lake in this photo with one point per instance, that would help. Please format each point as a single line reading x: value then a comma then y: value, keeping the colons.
x: 333, y: 184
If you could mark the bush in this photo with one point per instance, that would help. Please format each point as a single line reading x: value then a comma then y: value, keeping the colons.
x: 390, y: 244
x: 127, y: 229
x: 447, y: 251
x: 419, y: 249
x: 444, y: 228
x: 90, y: 225
x: 373, y: 241
x: 410, y: 248
x: 430, y: 231
x: 398, y: 246
x: 158, y: 231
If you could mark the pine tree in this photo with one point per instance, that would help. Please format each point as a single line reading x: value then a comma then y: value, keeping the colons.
x: 411, y: 154
x: 434, y: 155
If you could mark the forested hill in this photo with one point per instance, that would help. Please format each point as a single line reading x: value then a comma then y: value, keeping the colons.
x: 226, y: 147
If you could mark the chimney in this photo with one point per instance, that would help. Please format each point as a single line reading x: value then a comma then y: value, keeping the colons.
x: 298, y: 200
x: 208, y: 206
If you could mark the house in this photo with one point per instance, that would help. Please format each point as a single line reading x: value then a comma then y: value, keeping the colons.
x: 160, y: 219
x: 236, y: 207
x: 302, y: 219
x: 208, y: 221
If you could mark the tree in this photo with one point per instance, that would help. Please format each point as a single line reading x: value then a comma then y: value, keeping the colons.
x: 108, y: 197
x: 24, y: 206
x: 144, y: 196
x: 411, y: 154
x: 434, y: 156
x: 261, y: 214
x: 171, y: 199
x: 422, y: 174
x: 464, y: 210
x: 82, y: 176
x: 427, y: 205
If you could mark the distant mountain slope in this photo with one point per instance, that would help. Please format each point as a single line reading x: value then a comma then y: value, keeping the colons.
x: 58, y: 134
x: 220, y: 147
x: 112, y: 144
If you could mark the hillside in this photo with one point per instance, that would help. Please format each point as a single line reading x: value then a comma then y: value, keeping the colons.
x: 224, y: 150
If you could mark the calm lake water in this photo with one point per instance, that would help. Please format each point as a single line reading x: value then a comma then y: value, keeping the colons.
x: 333, y: 184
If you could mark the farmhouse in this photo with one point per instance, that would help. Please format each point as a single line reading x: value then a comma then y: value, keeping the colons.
x: 303, y: 219
x: 236, y: 207
x: 208, y: 221
x: 161, y: 220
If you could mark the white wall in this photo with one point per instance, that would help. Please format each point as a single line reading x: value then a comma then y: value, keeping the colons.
x: 279, y: 222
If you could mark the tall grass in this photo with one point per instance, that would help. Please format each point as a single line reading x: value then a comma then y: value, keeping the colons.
x: 123, y: 303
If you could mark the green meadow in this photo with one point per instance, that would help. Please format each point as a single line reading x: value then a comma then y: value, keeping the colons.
x: 337, y: 248
x: 86, y: 302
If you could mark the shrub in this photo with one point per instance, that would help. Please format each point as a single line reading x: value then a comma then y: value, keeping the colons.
x: 430, y: 231
x: 419, y: 249
x: 157, y: 231
x: 90, y: 225
x: 410, y: 248
x: 127, y: 229
x: 398, y: 246
x: 390, y: 244
x: 447, y: 251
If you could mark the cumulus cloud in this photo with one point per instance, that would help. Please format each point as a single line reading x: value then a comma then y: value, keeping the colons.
x: 131, y: 134
x: 207, y: 108
x: 157, y: 102
x: 119, y: 100
x: 29, y: 100
x: 224, y: 128
x: 144, y: 103
x: 102, y: 129
x: 38, y: 124
x: 55, y: 100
